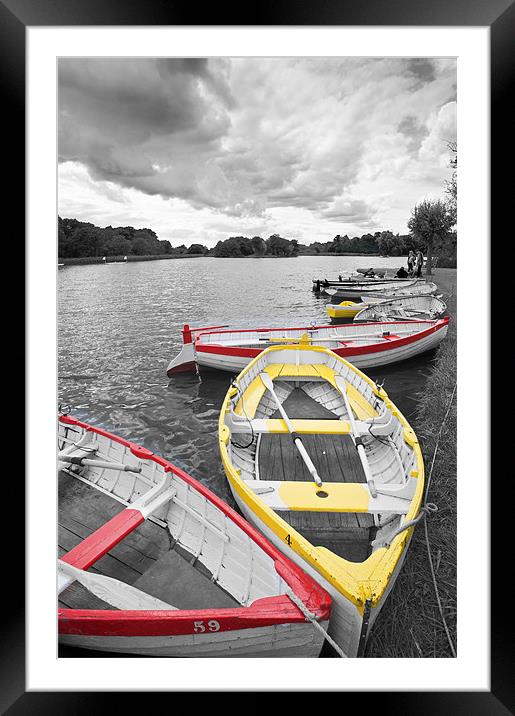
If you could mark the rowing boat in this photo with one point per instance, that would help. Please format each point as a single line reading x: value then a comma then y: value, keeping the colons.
x: 381, y: 291
x: 345, y: 310
x: 182, y: 573
x: 408, y: 307
x: 365, y: 345
x: 403, y: 308
x: 381, y: 272
x: 358, y: 281
x: 322, y: 462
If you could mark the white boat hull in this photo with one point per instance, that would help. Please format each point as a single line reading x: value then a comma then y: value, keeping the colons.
x: 235, y: 364
x: 282, y: 640
x: 346, y: 622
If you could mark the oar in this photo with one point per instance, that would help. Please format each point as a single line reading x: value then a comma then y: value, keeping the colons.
x: 268, y: 383
x: 104, y: 464
x: 116, y: 593
x: 342, y: 385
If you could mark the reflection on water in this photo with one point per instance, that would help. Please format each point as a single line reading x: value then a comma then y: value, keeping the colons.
x: 120, y: 324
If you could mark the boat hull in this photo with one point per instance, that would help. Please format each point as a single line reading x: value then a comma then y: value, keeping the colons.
x: 279, y: 640
x: 346, y: 622
x: 235, y: 359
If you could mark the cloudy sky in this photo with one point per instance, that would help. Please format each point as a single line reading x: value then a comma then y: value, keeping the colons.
x: 203, y: 149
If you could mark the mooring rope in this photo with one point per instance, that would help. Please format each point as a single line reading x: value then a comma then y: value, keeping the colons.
x: 429, y: 554
x: 313, y: 619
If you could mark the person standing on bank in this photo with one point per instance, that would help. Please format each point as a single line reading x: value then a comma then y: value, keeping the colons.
x: 411, y: 262
x: 419, y: 263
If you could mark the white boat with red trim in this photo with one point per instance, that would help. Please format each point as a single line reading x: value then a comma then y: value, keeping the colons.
x: 176, y: 571
x: 365, y: 345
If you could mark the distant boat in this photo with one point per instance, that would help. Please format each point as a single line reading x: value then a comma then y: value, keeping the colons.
x: 381, y: 272
x: 60, y: 266
x: 114, y: 263
x: 405, y: 307
x: 340, y: 292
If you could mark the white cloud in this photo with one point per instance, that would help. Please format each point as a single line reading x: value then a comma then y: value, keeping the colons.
x: 307, y: 145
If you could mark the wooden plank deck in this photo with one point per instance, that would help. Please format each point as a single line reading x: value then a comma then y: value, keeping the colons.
x: 144, y: 558
x: 336, y: 460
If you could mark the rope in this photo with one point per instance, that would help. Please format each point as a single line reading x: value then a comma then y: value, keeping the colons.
x: 313, y: 619
x: 429, y: 554
x: 425, y: 510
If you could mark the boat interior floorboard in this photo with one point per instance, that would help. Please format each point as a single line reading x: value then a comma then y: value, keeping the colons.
x: 143, y: 558
x: 174, y: 580
x: 347, y: 534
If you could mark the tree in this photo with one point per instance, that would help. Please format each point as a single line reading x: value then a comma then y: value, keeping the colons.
x: 259, y: 245
x: 451, y: 186
x: 197, y: 249
x: 277, y: 246
x: 430, y: 224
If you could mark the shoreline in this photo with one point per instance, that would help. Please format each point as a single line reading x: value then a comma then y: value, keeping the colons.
x: 411, y: 624
x: 92, y: 260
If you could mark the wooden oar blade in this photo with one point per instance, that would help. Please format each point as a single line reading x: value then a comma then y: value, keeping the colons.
x: 267, y: 381
x: 116, y: 593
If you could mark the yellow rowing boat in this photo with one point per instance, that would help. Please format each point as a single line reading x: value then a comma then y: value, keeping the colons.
x: 325, y: 465
x: 345, y: 309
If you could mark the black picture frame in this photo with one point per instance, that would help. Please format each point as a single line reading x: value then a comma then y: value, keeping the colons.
x: 499, y: 15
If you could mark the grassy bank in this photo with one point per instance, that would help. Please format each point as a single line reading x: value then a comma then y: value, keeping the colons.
x: 410, y: 624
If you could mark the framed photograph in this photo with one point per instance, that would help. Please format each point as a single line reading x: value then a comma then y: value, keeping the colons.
x: 197, y: 194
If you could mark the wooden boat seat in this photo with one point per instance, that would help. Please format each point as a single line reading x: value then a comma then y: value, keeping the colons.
x: 390, y: 337
x: 302, y: 427
x: 335, y: 497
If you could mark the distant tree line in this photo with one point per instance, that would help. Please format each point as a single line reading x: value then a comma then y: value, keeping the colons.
x: 79, y: 239
x: 431, y: 225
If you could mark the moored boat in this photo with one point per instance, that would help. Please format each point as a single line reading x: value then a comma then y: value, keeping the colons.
x: 345, y: 310
x: 182, y: 573
x: 382, y: 292
x: 381, y: 271
x: 403, y: 308
x: 407, y: 307
x: 364, y: 345
x: 327, y: 468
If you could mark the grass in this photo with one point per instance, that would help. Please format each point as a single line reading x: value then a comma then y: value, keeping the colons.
x: 410, y: 624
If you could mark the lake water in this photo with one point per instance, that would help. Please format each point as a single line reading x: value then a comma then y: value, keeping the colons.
x: 120, y: 324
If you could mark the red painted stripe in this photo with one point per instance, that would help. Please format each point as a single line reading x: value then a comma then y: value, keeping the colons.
x: 261, y: 613
x: 228, y: 350
x: 300, y: 582
x: 390, y: 344
x: 208, y: 331
x: 105, y: 538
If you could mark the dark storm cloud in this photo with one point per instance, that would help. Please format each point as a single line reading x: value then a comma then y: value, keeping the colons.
x: 422, y: 69
x: 130, y: 120
x: 251, y: 138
